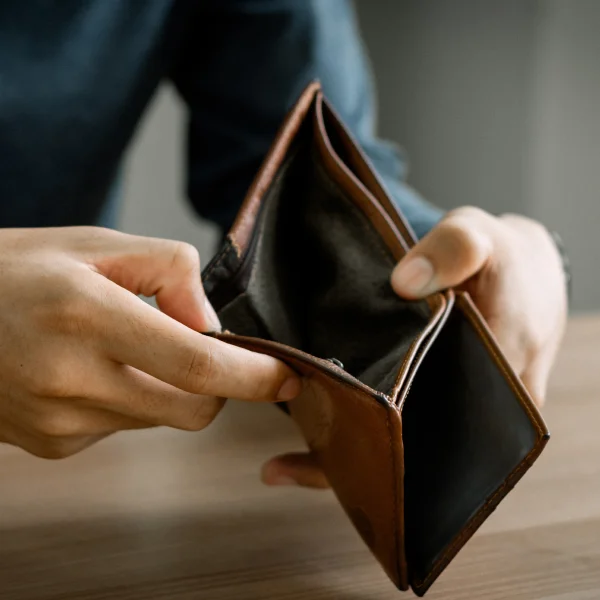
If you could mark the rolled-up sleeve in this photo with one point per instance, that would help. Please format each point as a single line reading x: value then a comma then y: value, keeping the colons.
x: 240, y: 68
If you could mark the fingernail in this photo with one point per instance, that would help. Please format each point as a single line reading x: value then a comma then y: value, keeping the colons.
x: 414, y: 276
x: 290, y: 389
x: 211, y: 316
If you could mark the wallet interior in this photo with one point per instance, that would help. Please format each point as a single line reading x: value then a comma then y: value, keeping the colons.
x: 316, y: 276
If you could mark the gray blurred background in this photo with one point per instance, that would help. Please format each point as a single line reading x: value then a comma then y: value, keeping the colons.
x: 496, y: 102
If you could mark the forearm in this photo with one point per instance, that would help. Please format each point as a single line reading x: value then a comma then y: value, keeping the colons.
x: 240, y: 94
x: 389, y: 164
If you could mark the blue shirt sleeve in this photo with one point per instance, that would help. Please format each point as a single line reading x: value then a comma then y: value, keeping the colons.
x: 240, y: 71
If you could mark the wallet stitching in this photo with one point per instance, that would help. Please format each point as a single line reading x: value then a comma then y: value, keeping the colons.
x: 474, y: 521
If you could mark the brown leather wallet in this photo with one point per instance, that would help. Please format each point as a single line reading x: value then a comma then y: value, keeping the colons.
x: 417, y: 419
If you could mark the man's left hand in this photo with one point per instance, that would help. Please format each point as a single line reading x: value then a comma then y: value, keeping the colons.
x: 511, y: 268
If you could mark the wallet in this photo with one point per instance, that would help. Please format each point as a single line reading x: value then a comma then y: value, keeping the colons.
x: 416, y: 417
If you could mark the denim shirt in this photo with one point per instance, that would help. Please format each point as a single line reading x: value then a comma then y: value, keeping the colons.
x: 76, y: 76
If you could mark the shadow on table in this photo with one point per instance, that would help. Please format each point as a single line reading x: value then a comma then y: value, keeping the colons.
x: 246, y: 555
x: 285, y: 551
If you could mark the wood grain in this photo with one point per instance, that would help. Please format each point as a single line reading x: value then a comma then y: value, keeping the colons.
x: 169, y: 515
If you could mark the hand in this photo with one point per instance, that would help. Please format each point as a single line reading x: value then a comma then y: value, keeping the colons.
x: 511, y: 268
x: 82, y: 356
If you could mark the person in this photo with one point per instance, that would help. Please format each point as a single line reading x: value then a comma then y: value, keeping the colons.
x: 82, y: 355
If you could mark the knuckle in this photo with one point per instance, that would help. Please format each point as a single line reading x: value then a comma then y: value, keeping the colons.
x: 536, y: 228
x: 203, y: 414
x: 195, y: 422
x: 457, y: 234
x: 75, y: 315
x: 66, y: 308
x: 88, y: 238
x: 89, y: 233
x: 201, y: 370
x: 185, y: 257
x: 56, y: 449
x: 58, y: 424
x: 463, y: 239
x: 51, y: 381
x: 53, y: 448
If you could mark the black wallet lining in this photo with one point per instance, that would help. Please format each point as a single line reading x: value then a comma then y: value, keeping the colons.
x: 319, y: 278
x: 465, y: 434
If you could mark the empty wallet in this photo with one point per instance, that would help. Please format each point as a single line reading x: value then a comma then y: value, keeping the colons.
x: 417, y: 419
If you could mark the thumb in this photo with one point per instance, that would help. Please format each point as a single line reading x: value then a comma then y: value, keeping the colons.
x: 452, y: 252
x: 166, y: 269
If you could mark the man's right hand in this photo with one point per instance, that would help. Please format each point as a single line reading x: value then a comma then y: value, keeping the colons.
x: 81, y: 356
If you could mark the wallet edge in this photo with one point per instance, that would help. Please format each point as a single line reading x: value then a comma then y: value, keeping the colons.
x: 241, y: 230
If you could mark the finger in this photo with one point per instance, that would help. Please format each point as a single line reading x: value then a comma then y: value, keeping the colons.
x: 294, y: 469
x: 57, y: 418
x: 452, y: 252
x: 166, y: 269
x: 144, y: 399
x: 46, y: 447
x: 131, y: 332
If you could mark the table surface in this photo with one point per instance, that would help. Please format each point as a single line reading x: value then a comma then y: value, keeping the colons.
x: 171, y: 515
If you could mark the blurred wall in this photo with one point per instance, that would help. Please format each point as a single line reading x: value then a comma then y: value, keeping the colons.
x: 497, y: 104
x: 564, y: 159
x: 453, y: 81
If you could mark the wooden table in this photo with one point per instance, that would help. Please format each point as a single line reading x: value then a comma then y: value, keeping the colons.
x: 170, y: 515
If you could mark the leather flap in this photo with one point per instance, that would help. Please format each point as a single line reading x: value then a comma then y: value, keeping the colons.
x: 357, y: 437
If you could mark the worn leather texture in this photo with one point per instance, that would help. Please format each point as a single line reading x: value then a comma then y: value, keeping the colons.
x: 425, y: 428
